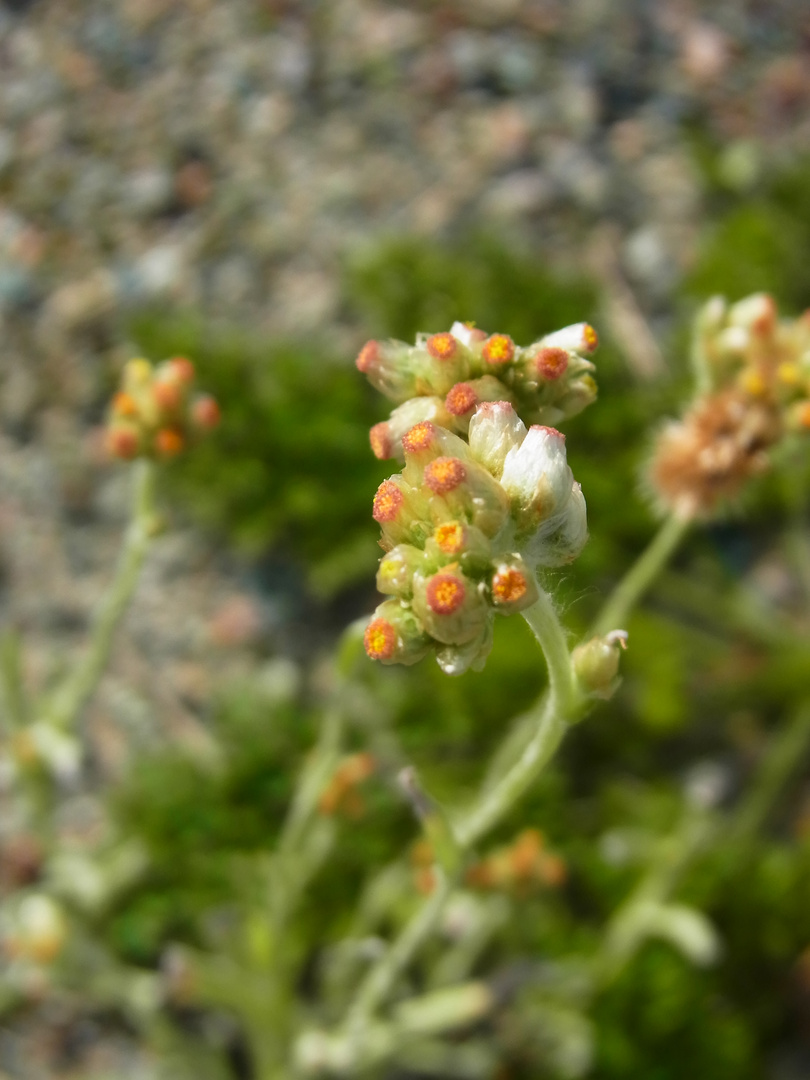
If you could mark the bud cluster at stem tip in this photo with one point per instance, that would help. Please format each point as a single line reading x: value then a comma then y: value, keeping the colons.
x: 464, y: 527
x: 156, y: 411
x: 445, y: 376
x: 754, y: 370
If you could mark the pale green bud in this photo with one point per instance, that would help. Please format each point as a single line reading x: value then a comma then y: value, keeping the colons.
x: 596, y: 663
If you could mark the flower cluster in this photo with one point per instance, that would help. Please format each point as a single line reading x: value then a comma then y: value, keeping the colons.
x: 519, y: 867
x: 156, y: 410
x: 464, y: 527
x: 757, y: 373
x: 341, y: 794
x: 444, y: 377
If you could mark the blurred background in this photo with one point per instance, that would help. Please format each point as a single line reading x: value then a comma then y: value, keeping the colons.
x: 262, y: 185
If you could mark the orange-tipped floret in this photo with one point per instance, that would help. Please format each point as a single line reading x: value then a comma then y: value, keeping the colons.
x: 451, y: 538
x: 205, y: 412
x: 380, y: 640
x: 181, y: 369
x: 380, y: 439
x: 167, y: 395
x: 499, y: 349
x: 368, y: 357
x: 420, y: 437
x: 124, y: 404
x: 123, y: 442
x: 444, y: 475
x: 169, y: 442
x: 387, y: 502
x: 509, y: 585
x: 442, y: 346
x: 551, y: 362
x: 461, y: 399
x: 445, y: 593
x: 590, y: 337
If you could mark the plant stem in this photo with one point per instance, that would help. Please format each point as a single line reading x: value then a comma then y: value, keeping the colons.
x: 641, y: 575
x: 382, y: 977
x: 561, y: 704
x: 77, y: 689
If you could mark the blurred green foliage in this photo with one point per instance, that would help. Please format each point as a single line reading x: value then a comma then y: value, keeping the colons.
x: 717, y: 660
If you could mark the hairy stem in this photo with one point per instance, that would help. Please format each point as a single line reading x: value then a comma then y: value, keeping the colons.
x: 641, y: 575
x: 561, y: 704
x: 80, y: 685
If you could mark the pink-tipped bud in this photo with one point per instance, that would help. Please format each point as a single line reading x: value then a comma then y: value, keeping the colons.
x: 421, y: 438
x: 381, y: 442
x: 368, y: 357
x: 495, y: 429
x: 442, y: 346
x: 537, y: 477
x: 181, y: 369
x: 461, y: 399
x: 387, y: 502
x: 123, y: 442
x: 205, y: 412
x: 551, y: 362
x: 444, y: 475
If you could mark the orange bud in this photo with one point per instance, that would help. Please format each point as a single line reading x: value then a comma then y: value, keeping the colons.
x: 181, y: 369
x: 205, y: 412
x: 444, y: 475
x: 387, y: 502
x: 166, y: 395
x: 551, y: 362
x: 123, y: 442
x: 461, y: 399
x: 368, y: 356
x: 380, y: 640
x: 445, y: 593
x: 442, y: 346
x: 124, y: 404
x: 169, y: 442
x: 499, y: 349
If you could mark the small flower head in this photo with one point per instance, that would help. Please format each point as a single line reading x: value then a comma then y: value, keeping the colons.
x: 154, y: 413
x: 368, y: 357
x: 461, y: 399
x: 499, y: 349
x: 445, y: 593
x: 388, y: 502
x: 513, y: 587
x: 445, y: 474
x: 596, y: 664
x: 380, y: 639
x: 551, y: 362
x: 451, y: 538
x: 442, y: 346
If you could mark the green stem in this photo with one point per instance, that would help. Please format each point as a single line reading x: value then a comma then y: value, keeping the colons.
x: 783, y: 756
x: 80, y: 685
x: 381, y: 979
x: 561, y: 704
x: 641, y: 575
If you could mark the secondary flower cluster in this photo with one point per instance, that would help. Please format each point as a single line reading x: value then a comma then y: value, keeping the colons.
x: 444, y: 377
x: 464, y: 526
x: 758, y: 370
x: 156, y: 410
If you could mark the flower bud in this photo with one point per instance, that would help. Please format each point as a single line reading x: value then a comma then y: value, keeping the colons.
x: 401, y: 512
x: 466, y: 490
x: 581, y: 338
x: 396, y: 570
x: 390, y: 367
x: 449, y: 606
x: 498, y: 351
x: 424, y: 443
x: 472, y: 655
x: 386, y: 438
x: 537, y: 477
x: 123, y: 441
x: 394, y: 635
x: 459, y: 542
x: 464, y: 397
x: 596, y: 663
x: 443, y: 361
x: 513, y: 587
x: 205, y: 412
x: 495, y: 429
x: 568, y: 537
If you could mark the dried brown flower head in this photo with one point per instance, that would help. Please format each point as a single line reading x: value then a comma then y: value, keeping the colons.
x: 707, y: 457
